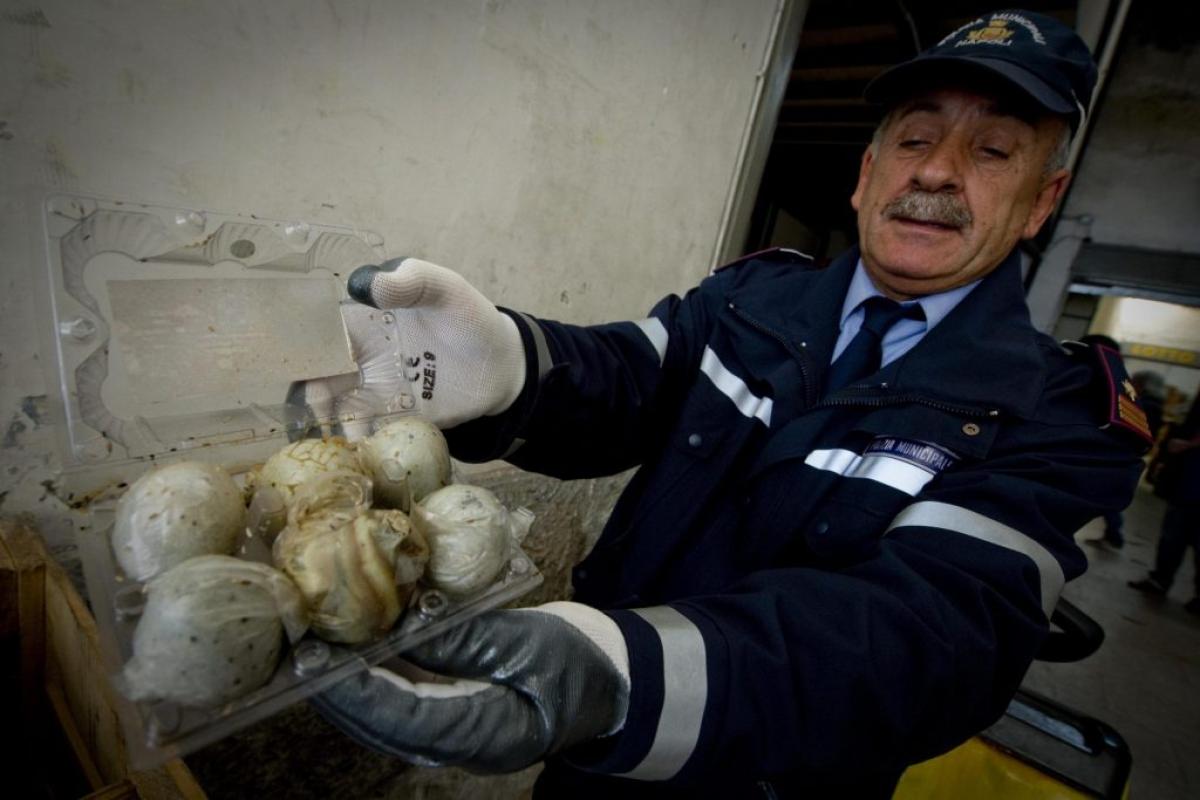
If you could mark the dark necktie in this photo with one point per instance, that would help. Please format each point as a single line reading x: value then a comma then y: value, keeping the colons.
x: 862, y: 356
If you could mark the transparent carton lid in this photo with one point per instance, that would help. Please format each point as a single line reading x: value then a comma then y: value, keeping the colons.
x: 175, y: 330
x: 176, y: 334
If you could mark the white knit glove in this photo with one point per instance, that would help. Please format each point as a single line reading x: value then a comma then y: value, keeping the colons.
x: 459, y: 357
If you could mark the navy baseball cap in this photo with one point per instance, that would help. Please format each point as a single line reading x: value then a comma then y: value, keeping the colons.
x: 1041, y: 57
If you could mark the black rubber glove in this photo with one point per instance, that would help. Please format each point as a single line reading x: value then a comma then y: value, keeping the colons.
x: 540, y: 680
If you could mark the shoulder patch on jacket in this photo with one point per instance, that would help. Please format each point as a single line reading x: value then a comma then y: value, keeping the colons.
x: 1116, y: 397
x: 779, y: 255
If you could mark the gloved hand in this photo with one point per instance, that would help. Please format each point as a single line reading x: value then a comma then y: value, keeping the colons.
x: 462, y: 357
x: 539, y: 680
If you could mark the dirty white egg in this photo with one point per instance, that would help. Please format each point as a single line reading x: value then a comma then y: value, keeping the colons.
x: 305, y: 460
x: 407, y: 458
x: 212, y: 631
x: 469, y: 531
x: 175, y: 513
x: 356, y: 568
x: 342, y: 492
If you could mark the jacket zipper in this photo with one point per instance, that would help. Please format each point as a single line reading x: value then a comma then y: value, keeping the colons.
x: 768, y: 790
x: 793, y: 351
x: 898, y: 399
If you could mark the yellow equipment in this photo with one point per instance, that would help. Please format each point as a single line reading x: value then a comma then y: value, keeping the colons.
x: 1039, y: 749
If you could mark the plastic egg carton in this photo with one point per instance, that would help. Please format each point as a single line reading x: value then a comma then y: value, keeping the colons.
x: 159, y: 731
x: 179, y: 334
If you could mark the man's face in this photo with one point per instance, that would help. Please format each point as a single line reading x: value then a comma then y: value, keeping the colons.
x: 955, y: 181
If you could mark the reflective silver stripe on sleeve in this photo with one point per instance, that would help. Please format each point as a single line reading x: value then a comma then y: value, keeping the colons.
x: 932, y: 514
x: 539, y: 342
x: 733, y: 387
x: 542, y: 352
x: 899, y: 474
x: 685, y: 692
x: 657, y: 334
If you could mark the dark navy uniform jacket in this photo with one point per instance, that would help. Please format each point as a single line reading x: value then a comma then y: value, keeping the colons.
x: 815, y: 591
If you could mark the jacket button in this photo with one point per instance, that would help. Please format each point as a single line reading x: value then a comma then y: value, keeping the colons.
x: 821, y: 528
x: 695, y: 440
x: 970, y: 429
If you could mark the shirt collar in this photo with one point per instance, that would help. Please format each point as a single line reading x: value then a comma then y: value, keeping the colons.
x: 935, y: 306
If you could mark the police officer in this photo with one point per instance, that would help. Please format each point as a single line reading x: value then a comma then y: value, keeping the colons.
x: 856, y: 487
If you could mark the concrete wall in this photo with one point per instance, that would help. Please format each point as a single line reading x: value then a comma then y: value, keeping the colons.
x: 1140, y: 177
x: 572, y: 159
x: 1136, y: 184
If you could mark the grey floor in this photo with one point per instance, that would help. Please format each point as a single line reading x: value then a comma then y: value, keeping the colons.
x: 1145, y: 680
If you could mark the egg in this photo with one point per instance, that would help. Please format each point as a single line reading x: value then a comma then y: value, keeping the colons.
x: 407, y: 459
x: 212, y: 631
x: 304, y: 460
x: 469, y: 532
x: 175, y: 513
x: 356, y: 573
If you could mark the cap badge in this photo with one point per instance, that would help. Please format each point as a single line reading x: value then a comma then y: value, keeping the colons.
x: 996, y: 32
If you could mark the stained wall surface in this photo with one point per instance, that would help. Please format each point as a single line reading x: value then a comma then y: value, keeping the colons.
x: 572, y: 159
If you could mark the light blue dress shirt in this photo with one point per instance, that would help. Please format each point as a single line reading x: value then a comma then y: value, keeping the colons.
x: 904, y: 335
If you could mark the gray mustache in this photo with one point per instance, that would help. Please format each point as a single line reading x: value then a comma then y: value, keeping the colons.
x: 942, y: 209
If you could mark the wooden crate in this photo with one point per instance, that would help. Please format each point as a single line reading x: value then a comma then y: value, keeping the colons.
x: 62, y: 737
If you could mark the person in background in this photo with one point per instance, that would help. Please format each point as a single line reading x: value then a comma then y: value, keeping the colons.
x: 1114, y: 521
x: 1178, y: 482
x: 1152, y: 394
